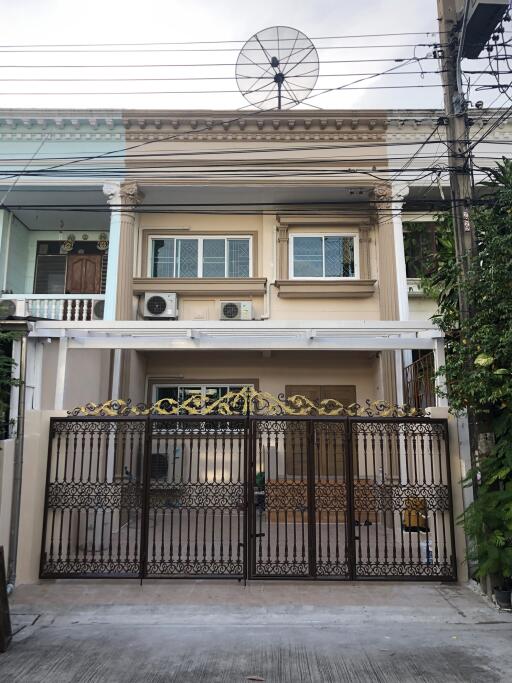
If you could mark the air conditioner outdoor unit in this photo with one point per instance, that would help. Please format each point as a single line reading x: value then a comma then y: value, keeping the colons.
x: 414, y: 287
x: 160, y: 305
x: 236, y: 310
x: 9, y: 307
x: 98, y: 309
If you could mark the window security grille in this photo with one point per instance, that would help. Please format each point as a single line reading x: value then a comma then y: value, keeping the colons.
x: 200, y: 257
x: 50, y: 274
x: 323, y: 256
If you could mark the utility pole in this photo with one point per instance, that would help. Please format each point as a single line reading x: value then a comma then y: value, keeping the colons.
x: 459, y: 159
x: 459, y: 162
x: 464, y: 28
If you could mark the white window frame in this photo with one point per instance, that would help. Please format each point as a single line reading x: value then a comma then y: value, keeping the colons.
x: 354, y: 236
x: 200, y: 239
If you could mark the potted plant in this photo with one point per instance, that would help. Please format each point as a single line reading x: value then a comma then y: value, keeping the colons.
x: 502, y: 595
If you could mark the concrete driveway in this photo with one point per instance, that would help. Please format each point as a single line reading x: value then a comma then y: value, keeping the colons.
x: 280, y: 632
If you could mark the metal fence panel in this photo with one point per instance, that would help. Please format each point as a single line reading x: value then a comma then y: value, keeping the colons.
x: 332, y: 499
x: 402, y: 499
x: 280, y: 510
x: 94, y: 498
x: 196, y: 497
x: 248, y: 497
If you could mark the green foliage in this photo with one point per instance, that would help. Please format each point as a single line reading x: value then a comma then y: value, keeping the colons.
x: 488, y: 520
x: 441, y: 280
x: 419, y: 243
x: 479, y: 349
x: 479, y: 362
x: 6, y: 367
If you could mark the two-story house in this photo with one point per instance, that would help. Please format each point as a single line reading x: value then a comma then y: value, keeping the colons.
x: 178, y: 254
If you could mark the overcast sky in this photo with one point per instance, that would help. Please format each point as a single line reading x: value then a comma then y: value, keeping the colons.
x: 60, y: 22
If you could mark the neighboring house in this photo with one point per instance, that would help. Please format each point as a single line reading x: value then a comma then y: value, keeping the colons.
x: 164, y: 254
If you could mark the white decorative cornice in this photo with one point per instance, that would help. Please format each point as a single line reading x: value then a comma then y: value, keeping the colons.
x: 231, y: 126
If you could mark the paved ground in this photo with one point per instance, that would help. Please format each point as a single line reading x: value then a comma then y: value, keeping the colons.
x: 278, y: 632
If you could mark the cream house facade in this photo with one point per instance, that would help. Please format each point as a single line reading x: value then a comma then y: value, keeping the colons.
x: 292, y: 221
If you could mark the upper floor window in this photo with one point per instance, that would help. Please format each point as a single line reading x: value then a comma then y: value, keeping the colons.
x: 323, y: 256
x: 200, y: 257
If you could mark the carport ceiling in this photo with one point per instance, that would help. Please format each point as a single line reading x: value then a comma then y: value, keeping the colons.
x: 72, y: 208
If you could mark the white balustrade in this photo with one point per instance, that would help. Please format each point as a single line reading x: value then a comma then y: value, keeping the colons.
x: 72, y: 307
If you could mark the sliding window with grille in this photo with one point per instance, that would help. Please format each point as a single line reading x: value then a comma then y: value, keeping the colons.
x: 200, y: 257
x: 324, y: 256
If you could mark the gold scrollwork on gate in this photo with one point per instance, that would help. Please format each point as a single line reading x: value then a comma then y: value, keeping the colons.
x: 247, y: 401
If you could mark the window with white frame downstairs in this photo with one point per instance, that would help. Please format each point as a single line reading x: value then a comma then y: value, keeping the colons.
x: 208, y: 394
x: 325, y: 257
x: 200, y: 257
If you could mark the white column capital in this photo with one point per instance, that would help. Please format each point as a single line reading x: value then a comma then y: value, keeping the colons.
x: 382, y: 193
x: 123, y: 195
x: 400, y: 193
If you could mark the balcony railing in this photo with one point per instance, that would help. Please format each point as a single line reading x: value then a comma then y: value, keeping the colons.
x: 419, y: 384
x: 59, y: 306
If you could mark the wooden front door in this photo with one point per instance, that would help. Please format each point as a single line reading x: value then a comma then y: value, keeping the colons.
x: 83, y: 274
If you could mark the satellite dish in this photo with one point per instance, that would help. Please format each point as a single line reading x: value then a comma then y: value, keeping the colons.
x: 277, y: 68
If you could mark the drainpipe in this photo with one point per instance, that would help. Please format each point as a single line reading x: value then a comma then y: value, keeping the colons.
x: 18, y: 470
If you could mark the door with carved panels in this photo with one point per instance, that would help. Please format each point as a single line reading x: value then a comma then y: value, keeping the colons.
x: 83, y: 274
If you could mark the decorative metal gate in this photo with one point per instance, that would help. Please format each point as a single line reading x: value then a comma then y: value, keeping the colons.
x: 196, y: 497
x: 138, y: 492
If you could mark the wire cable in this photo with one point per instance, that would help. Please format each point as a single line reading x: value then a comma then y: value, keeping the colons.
x: 222, y: 42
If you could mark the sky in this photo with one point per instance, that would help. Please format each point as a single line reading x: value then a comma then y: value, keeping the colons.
x: 160, y: 22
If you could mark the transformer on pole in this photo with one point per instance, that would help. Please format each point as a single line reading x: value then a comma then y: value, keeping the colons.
x: 483, y: 16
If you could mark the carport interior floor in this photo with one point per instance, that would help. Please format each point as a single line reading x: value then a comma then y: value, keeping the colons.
x: 282, y: 632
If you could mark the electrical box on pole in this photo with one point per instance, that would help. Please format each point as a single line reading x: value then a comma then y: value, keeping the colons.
x: 483, y: 16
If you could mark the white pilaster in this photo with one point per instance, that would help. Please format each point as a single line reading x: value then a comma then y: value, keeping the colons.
x: 5, y: 236
x: 109, y: 312
x: 60, y: 380
x: 123, y: 198
x: 400, y: 192
x: 38, y: 376
x: 116, y: 375
x: 403, y: 358
x: 33, y: 376
x: 439, y: 361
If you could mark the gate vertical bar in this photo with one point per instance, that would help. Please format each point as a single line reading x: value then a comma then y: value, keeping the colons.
x: 145, y: 493
x: 349, y: 478
x: 249, y: 532
x: 310, y: 473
